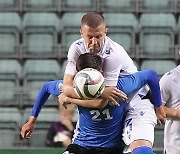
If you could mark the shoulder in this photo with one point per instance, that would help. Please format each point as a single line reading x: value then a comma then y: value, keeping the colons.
x: 77, y: 44
x: 112, y: 44
x: 77, y: 47
x: 165, y: 81
x: 113, y: 49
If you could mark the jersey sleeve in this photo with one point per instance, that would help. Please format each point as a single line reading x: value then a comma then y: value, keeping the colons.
x: 73, y: 55
x: 117, y: 63
x: 48, y: 88
x: 111, y: 71
x: 165, y: 88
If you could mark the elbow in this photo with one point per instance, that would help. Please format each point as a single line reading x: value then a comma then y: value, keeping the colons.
x: 45, y: 85
x: 67, y: 90
x: 153, y: 74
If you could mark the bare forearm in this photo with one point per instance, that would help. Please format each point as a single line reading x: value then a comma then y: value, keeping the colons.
x: 69, y: 91
x: 95, y: 103
x: 172, y: 113
x: 70, y: 96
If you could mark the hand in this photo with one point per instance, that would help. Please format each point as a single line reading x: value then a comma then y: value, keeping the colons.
x: 112, y: 93
x: 62, y: 99
x: 28, y: 128
x: 161, y: 115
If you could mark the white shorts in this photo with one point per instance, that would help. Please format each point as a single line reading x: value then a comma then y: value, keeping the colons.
x: 140, y: 122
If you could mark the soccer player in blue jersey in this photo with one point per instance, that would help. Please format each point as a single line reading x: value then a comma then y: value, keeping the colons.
x: 99, y: 130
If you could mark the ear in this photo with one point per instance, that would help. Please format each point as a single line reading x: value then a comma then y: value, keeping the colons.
x: 81, y: 32
x: 106, y: 30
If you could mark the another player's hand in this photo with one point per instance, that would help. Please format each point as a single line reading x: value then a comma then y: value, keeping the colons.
x: 161, y: 115
x: 62, y: 98
x: 28, y: 128
x: 112, y: 93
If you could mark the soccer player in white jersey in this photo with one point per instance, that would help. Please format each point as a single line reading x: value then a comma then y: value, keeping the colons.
x: 116, y: 62
x: 170, y: 85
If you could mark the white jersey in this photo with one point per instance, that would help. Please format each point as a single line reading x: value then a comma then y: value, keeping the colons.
x: 116, y: 61
x: 170, y: 85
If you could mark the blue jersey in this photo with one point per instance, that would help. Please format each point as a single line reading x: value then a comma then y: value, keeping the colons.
x: 96, y: 127
x: 102, y: 127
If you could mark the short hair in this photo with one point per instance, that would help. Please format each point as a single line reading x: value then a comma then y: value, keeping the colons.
x: 89, y: 60
x: 92, y: 19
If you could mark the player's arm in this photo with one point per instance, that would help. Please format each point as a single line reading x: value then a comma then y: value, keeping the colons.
x: 171, y: 112
x: 109, y: 93
x: 70, y: 71
x: 92, y: 103
x: 68, y: 89
x: 113, y: 94
x: 160, y: 114
x: 69, y: 96
x: 51, y: 87
x: 133, y: 82
x: 150, y: 77
x: 47, y: 88
x: 28, y: 127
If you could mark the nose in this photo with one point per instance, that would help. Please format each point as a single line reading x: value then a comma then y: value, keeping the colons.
x: 94, y: 41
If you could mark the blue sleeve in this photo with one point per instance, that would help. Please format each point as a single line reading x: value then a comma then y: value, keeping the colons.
x: 131, y: 83
x: 51, y: 87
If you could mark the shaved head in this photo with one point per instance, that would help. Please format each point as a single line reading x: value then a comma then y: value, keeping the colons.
x: 92, y: 19
x: 93, y: 31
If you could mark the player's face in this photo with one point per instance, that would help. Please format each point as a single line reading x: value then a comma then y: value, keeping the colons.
x: 93, y: 37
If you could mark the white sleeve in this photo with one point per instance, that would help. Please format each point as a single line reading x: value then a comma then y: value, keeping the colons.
x: 165, y: 89
x: 73, y: 55
x: 115, y: 63
x: 111, y: 70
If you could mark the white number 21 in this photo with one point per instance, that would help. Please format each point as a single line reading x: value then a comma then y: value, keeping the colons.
x: 97, y: 113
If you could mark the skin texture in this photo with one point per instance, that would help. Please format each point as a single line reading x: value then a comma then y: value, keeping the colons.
x: 172, y: 113
x: 139, y: 143
x: 93, y: 37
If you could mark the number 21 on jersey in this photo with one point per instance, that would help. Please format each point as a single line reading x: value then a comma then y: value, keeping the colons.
x: 97, y: 115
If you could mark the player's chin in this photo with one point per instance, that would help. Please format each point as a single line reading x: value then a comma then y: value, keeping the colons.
x: 94, y: 50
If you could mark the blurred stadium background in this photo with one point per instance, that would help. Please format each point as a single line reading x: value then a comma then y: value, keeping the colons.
x: 35, y: 36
